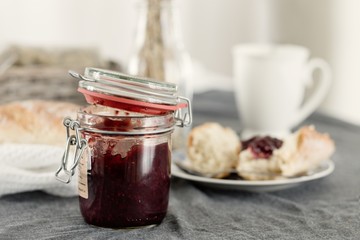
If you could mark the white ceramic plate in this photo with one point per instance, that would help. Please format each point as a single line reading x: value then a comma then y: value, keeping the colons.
x: 256, y: 186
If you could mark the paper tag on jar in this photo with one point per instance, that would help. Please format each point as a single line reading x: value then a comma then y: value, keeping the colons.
x: 83, y: 183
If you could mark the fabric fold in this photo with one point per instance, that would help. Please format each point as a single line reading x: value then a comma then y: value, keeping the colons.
x: 30, y: 167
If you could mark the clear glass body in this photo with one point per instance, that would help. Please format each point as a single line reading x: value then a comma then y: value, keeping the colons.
x: 127, y: 176
x: 159, y: 51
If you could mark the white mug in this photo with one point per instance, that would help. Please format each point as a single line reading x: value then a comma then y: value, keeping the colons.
x: 270, y: 83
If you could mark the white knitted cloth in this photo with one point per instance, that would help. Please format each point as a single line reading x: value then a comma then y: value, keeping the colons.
x: 29, y: 167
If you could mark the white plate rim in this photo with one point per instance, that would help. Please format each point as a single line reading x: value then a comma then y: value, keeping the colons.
x: 326, y: 170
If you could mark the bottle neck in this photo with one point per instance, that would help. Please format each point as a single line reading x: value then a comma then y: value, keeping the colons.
x: 159, y: 24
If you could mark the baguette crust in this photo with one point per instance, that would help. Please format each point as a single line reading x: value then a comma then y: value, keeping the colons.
x: 35, y: 122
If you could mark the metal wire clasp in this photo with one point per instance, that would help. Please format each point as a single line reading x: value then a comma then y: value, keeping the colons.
x: 184, y: 119
x: 67, y: 168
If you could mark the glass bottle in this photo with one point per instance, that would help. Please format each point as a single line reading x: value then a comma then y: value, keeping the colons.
x: 159, y: 51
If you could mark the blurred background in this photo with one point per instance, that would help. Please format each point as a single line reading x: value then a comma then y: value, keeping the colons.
x: 329, y: 28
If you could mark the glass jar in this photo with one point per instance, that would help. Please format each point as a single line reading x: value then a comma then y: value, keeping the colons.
x: 159, y: 51
x: 125, y: 176
x: 122, y: 148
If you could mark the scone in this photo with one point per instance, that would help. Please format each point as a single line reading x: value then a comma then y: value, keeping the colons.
x: 305, y: 151
x: 265, y: 158
x: 213, y: 149
x: 35, y: 122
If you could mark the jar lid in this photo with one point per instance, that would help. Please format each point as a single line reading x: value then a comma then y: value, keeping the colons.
x: 132, y: 93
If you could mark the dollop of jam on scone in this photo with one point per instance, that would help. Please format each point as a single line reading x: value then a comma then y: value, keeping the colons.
x: 262, y: 147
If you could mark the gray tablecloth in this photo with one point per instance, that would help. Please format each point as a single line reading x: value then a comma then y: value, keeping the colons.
x: 324, y: 209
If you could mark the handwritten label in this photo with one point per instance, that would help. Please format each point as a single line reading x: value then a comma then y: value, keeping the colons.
x: 83, y: 183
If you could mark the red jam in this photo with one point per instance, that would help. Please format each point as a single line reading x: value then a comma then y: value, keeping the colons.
x: 262, y: 147
x: 127, y: 175
x: 127, y: 191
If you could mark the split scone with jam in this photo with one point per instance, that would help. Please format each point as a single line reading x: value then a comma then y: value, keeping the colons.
x: 266, y: 158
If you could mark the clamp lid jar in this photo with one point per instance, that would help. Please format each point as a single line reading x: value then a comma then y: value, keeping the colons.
x: 122, y: 148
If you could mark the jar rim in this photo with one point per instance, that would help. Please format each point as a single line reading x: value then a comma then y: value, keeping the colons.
x: 136, y: 114
x: 106, y: 120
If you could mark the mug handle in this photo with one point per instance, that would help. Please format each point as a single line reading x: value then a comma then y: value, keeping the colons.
x: 319, y: 92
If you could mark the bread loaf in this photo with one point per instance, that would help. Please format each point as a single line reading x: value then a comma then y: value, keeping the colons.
x: 35, y: 122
